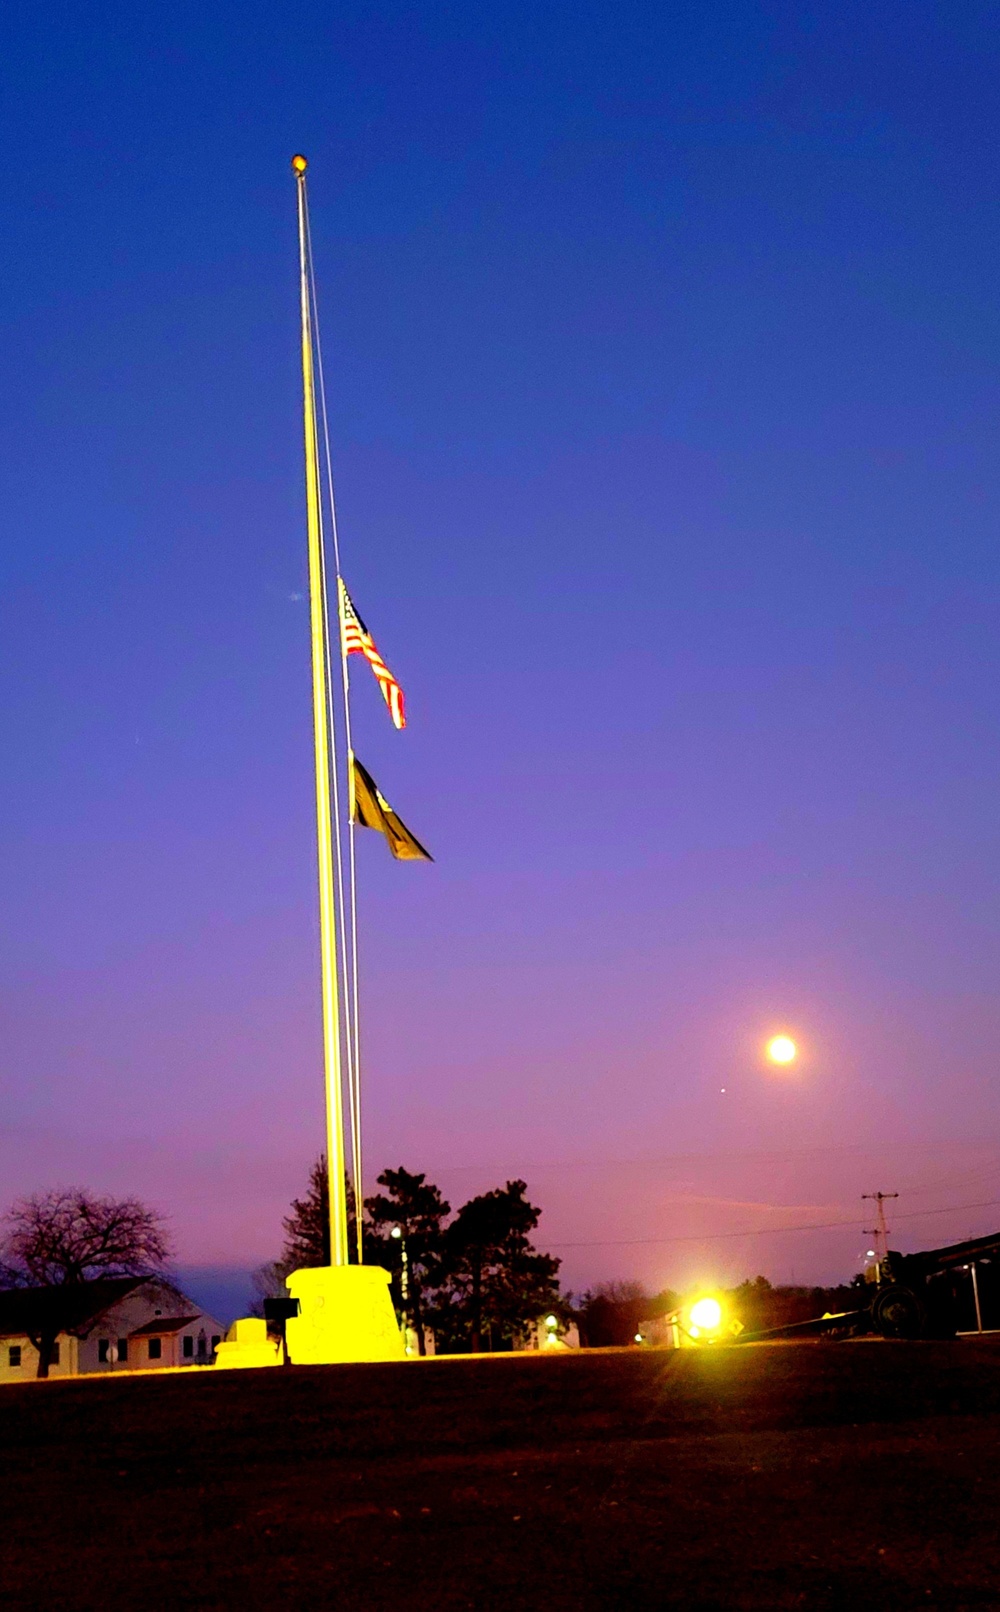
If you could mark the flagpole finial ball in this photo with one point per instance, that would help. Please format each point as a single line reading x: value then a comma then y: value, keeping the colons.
x: 299, y: 166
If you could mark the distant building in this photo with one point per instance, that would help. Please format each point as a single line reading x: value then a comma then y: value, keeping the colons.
x: 114, y: 1324
x: 550, y: 1333
x: 660, y: 1331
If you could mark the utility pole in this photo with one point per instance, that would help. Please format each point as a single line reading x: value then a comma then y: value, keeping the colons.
x: 880, y: 1232
x: 975, y: 1295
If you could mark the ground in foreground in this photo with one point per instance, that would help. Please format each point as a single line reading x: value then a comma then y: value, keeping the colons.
x: 827, y: 1476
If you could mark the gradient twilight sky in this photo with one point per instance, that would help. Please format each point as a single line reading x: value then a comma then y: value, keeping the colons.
x: 663, y: 343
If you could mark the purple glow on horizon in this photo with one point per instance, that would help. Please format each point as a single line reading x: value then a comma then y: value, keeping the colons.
x: 663, y: 358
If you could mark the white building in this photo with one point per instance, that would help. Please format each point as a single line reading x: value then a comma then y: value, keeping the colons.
x: 114, y: 1324
x: 550, y: 1333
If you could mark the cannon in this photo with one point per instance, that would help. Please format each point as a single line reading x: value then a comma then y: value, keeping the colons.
x: 923, y: 1295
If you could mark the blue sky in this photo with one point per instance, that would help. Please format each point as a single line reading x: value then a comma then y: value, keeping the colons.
x: 662, y: 349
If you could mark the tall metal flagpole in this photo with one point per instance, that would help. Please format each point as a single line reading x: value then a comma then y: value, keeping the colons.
x: 342, y: 1311
x: 346, y: 882
x: 321, y: 736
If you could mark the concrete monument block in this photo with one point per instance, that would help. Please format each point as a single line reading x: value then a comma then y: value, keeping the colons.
x: 345, y: 1313
x: 247, y: 1344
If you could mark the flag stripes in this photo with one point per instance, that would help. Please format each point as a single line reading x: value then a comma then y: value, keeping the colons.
x: 357, y: 640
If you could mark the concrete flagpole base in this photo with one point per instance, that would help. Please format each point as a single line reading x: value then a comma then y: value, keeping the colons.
x: 345, y: 1314
x: 247, y: 1345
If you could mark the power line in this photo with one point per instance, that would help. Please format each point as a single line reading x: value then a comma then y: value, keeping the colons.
x: 766, y: 1231
x: 727, y: 1155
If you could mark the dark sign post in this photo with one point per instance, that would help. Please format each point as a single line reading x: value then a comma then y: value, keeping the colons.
x: 278, y: 1311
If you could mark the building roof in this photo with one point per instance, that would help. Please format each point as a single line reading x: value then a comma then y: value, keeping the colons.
x: 164, y: 1324
x: 66, y: 1308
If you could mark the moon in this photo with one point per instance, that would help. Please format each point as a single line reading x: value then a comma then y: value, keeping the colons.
x: 782, y: 1049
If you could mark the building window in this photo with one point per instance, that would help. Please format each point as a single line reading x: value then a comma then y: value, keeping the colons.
x: 103, y: 1345
x: 155, y: 1348
x: 188, y: 1348
x: 14, y: 1355
x: 202, y: 1345
x: 215, y: 1342
x: 54, y: 1355
x: 122, y: 1349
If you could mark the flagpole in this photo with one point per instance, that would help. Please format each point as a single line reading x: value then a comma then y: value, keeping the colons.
x: 321, y: 738
x: 349, y: 955
x: 343, y: 1312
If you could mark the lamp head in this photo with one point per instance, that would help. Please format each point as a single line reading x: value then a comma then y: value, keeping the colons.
x: 705, y: 1316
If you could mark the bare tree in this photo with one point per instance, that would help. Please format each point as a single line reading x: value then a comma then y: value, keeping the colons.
x: 268, y: 1282
x: 61, y: 1238
x: 71, y: 1235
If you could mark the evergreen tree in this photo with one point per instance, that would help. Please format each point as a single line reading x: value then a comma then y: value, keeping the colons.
x: 477, y: 1278
x: 496, y: 1284
x: 307, y: 1227
x: 416, y: 1207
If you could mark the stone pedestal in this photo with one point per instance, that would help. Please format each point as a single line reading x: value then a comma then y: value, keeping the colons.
x: 345, y: 1313
x: 247, y: 1344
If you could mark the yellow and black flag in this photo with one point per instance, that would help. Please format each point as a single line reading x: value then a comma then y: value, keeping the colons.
x: 370, y: 808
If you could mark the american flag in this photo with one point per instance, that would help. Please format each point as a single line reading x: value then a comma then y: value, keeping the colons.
x: 359, y: 641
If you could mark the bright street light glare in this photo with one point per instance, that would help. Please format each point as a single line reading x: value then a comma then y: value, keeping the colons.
x: 781, y: 1049
x: 706, y: 1315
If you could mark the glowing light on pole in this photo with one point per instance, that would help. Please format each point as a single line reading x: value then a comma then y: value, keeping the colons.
x: 706, y: 1315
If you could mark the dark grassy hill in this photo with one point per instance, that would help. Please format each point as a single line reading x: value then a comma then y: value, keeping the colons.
x: 860, y: 1475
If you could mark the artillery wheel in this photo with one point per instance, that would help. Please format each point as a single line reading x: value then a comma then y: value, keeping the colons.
x: 898, y: 1313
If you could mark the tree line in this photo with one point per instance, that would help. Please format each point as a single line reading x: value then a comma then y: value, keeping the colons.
x: 474, y: 1279
x: 610, y: 1314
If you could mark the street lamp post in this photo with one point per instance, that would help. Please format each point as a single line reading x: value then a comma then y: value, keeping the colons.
x: 404, y: 1280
